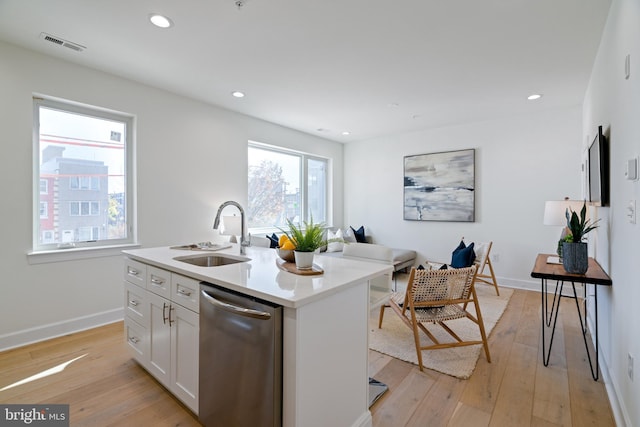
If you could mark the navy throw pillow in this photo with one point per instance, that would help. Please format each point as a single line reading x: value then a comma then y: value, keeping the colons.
x: 273, y: 240
x: 463, y: 256
x: 359, y: 234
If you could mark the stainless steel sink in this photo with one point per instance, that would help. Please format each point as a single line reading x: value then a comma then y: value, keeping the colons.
x: 211, y: 260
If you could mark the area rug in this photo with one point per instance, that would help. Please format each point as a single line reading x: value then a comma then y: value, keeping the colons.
x: 396, y: 339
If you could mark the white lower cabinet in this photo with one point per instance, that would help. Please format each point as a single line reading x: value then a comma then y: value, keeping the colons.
x: 162, y: 335
x: 173, y: 348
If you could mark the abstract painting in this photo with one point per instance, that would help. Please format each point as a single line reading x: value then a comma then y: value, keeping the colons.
x: 440, y: 186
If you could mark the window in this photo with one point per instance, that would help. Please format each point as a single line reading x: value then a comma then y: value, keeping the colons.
x: 84, y: 182
x: 47, y: 236
x: 84, y: 208
x: 44, y: 210
x: 283, y: 185
x: 83, y: 171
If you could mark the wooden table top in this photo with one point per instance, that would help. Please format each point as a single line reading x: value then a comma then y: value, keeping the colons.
x: 595, y: 274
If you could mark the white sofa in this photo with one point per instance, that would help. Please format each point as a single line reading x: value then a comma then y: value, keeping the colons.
x: 402, y: 258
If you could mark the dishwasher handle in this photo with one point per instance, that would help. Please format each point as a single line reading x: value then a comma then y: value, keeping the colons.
x: 242, y: 311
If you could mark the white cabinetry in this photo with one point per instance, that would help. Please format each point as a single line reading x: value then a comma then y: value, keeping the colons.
x: 162, y: 327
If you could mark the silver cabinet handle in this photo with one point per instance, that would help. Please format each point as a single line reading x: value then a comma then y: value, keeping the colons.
x: 134, y: 340
x: 171, y: 307
x: 133, y: 303
x: 133, y: 272
x: 157, y: 282
x: 183, y: 292
x: 164, y: 312
x: 242, y: 311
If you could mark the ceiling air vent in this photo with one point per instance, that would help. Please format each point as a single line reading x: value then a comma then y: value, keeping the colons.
x: 62, y: 42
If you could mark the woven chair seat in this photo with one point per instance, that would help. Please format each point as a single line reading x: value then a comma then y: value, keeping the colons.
x: 430, y: 314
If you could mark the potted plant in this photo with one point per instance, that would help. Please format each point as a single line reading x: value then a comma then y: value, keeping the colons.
x: 306, y: 240
x: 574, y: 250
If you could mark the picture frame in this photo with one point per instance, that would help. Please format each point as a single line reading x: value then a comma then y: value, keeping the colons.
x: 440, y: 186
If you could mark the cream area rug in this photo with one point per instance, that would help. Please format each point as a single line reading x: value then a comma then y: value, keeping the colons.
x: 396, y: 339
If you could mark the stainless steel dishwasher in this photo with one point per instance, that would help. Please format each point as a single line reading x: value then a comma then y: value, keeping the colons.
x: 240, y: 359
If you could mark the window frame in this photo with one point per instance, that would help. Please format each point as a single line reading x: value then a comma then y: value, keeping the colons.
x: 304, y: 159
x: 49, y: 251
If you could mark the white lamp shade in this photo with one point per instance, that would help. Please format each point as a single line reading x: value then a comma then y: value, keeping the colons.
x: 231, y: 226
x: 555, y: 211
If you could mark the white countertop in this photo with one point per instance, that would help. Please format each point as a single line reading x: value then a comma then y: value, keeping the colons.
x: 262, y: 278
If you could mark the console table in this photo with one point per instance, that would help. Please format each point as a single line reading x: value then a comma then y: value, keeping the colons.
x: 595, y: 275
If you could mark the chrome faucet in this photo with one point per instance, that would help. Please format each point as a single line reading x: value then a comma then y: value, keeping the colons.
x: 216, y: 222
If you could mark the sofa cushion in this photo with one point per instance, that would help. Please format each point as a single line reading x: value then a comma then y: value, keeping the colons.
x: 359, y: 234
x: 334, y: 246
x: 463, y: 256
x: 273, y: 240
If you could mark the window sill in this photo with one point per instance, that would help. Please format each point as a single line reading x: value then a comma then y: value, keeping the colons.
x: 61, y: 255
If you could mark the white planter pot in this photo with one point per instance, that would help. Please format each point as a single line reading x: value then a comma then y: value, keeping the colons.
x: 304, y: 260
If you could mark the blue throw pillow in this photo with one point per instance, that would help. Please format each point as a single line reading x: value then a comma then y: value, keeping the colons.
x: 359, y: 234
x: 463, y: 256
x: 273, y: 240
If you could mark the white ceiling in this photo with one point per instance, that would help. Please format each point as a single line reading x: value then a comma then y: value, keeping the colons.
x: 371, y: 67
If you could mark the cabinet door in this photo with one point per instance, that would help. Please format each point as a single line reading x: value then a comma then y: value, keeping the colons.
x: 159, y: 338
x: 184, y: 355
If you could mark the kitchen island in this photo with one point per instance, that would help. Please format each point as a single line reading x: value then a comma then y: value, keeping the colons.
x: 324, y: 325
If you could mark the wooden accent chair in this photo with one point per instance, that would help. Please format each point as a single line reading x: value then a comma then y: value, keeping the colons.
x: 483, y: 260
x: 438, y: 296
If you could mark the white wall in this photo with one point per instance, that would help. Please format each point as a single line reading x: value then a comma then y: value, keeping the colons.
x: 614, y: 102
x: 191, y: 157
x: 520, y: 163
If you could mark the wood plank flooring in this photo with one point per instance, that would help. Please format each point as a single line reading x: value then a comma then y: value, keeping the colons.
x: 105, y: 387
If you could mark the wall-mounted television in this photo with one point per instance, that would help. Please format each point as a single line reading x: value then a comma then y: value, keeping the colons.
x: 599, y: 170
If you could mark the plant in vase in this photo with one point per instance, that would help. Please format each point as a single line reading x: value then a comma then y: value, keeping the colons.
x: 574, y: 250
x: 306, y: 241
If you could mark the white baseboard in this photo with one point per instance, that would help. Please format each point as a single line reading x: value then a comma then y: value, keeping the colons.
x: 45, y: 332
x: 365, y: 420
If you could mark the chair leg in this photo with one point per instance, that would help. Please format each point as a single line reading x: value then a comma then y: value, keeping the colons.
x: 382, y: 307
x: 493, y: 276
x: 416, y: 339
x: 483, y: 334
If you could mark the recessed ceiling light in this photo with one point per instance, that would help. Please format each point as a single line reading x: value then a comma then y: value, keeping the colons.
x: 534, y: 96
x: 160, y: 20
x: 237, y: 94
x: 346, y: 133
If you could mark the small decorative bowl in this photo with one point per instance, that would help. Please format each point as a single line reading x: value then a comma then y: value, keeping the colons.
x: 286, y: 254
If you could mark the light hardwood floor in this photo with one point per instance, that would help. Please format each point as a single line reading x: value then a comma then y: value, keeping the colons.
x: 105, y: 387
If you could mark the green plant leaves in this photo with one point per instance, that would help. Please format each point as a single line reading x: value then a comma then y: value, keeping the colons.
x: 579, y: 226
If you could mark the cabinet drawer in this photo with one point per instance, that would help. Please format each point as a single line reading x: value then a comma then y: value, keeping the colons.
x: 135, y: 272
x: 135, y: 304
x: 137, y: 341
x: 159, y: 281
x: 184, y: 291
